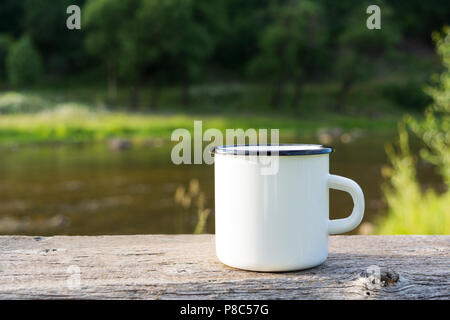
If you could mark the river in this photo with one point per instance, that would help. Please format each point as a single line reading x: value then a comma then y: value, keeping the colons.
x: 89, y: 189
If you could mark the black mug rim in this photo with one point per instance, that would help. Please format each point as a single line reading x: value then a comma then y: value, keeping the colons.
x: 288, y: 149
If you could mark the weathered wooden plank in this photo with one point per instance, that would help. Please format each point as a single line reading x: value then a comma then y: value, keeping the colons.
x: 185, y: 267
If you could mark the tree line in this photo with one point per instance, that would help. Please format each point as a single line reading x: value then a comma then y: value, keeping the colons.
x: 147, y: 44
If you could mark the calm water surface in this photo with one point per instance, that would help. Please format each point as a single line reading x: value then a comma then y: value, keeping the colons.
x: 91, y: 189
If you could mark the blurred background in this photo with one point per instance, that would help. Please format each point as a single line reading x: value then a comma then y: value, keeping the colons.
x: 86, y: 115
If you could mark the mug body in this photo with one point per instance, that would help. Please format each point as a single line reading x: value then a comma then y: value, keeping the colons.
x: 271, y: 222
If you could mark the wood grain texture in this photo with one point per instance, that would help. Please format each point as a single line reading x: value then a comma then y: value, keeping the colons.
x: 185, y: 267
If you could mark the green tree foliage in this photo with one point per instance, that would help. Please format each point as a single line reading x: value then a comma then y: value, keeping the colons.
x: 192, y: 43
x: 360, y: 47
x: 45, y: 22
x: 238, y: 25
x: 418, y: 18
x: 24, y: 64
x: 334, y: 12
x: 168, y: 41
x: 11, y: 13
x: 156, y: 43
x: 291, y: 47
x: 410, y: 210
x: 5, y: 44
x: 104, y: 20
x: 161, y: 40
x: 407, y: 94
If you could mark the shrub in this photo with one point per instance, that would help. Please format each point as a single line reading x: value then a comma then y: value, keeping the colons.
x: 15, y: 102
x: 411, y: 211
x: 24, y: 64
x: 409, y: 95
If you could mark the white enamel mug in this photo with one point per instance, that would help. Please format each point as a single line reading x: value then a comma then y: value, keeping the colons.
x: 278, y: 219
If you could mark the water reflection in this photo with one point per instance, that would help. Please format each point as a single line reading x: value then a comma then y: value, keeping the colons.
x: 95, y: 189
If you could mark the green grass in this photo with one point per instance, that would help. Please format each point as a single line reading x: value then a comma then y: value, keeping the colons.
x: 71, y: 122
x: 81, y: 114
x: 410, y: 209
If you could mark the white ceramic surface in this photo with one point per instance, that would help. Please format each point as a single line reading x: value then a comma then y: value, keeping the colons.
x: 278, y: 222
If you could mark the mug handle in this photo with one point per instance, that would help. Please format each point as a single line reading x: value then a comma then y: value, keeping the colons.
x: 351, y: 222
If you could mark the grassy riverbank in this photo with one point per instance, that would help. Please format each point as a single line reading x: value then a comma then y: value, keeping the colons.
x: 33, y: 117
x: 71, y: 123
